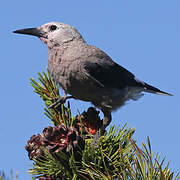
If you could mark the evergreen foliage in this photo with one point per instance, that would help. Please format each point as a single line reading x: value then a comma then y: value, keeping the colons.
x: 65, y: 150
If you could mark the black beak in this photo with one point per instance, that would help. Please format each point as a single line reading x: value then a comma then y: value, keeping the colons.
x: 30, y: 31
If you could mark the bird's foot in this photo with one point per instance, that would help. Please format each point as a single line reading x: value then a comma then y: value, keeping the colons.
x: 106, y: 122
x: 59, y: 101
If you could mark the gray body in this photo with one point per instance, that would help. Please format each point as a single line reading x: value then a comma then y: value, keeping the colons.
x: 86, y: 72
x: 67, y: 65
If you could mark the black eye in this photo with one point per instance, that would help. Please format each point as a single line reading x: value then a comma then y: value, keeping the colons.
x: 53, y: 27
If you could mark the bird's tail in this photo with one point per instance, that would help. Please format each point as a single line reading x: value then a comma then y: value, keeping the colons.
x: 151, y: 89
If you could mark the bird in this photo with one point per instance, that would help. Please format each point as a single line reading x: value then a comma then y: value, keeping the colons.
x: 87, y: 73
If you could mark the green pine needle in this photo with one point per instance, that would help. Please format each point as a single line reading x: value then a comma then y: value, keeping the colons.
x: 116, y: 156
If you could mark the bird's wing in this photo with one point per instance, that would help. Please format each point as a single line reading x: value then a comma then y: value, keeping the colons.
x: 107, y: 73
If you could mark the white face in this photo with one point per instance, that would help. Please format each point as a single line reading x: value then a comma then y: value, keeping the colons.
x: 55, y: 33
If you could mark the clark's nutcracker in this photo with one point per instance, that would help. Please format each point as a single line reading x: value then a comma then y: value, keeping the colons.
x: 86, y: 72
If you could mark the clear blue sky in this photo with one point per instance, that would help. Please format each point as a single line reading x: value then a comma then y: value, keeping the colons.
x: 143, y: 36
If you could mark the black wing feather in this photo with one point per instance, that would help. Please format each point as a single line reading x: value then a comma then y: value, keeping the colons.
x: 110, y: 74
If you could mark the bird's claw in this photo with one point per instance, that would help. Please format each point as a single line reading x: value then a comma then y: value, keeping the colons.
x: 58, y: 102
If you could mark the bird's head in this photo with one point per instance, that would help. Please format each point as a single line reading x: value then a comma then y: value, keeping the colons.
x: 53, y: 33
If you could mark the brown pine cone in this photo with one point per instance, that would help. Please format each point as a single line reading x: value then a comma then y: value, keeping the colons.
x: 62, y: 138
x: 46, y: 177
x: 34, y: 146
x: 90, y: 120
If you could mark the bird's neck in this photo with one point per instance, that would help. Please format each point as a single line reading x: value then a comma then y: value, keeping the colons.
x: 58, y: 49
x: 55, y: 57
x: 55, y: 54
x: 65, y: 47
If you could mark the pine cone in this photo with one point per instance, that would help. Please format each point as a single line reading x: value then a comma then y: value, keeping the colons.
x: 46, y: 177
x: 55, y: 139
x: 62, y: 138
x: 90, y: 120
x: 34, y: 146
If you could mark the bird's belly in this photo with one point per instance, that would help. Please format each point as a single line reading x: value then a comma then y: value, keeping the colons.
x: 83, y: 90
x: 100, y: 97
x: 81, y: 87
x: 105, y: 97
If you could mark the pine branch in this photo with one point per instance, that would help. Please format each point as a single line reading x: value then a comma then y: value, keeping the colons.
x: 146, y: 166
x: 65, y: 151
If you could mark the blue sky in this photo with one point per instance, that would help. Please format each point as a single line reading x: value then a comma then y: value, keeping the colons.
x: 143, y: 36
